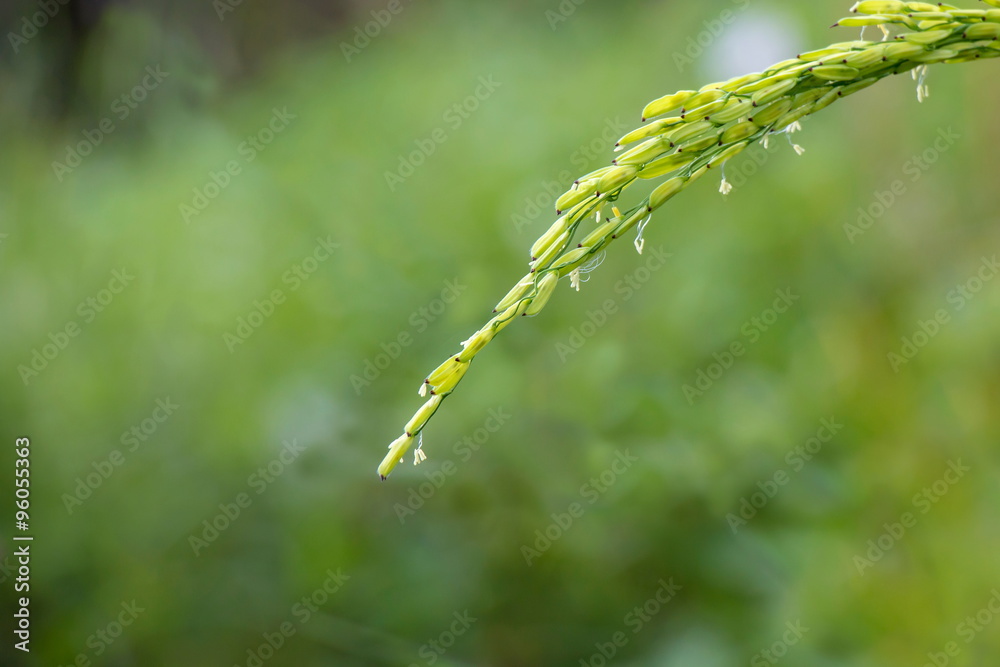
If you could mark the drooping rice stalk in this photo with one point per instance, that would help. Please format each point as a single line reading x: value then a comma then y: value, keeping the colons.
x: 710, y: 126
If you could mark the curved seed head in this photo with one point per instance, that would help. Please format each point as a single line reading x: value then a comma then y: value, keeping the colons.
x: 546, y: 239
x: 514, y: 294
x: 664, y: 191
x: 870, y: 7
x: 546, y: 286
x: 835, y: 72
x: 596, y: 174
x: 569, y: 261
x: 578, y: 193
x: 685, y: 132
x: 770, y: 113
x: 600, y: 234
x: 902, y: 50
x: 927, y: 37
x: 852, y: 88
x: 705, y: 110
x: 616, y: 179
x: 982, y: 31
x: 700, y: 143
x: 422, y: 414
x: 546, y: 256
x: 442, y: 371
x: 478, y: 341
x: 865, y: 57
x: 810, y: 96
x: 501, y: 320
x: 773, y: 92
x: 448, y: 382
x: 783, y: 75
x: 644, y: 152
x: 397, y: 450
x: 974, y: 14
x: 825, y: 101
x: 631, y: 221
x: 704, y: 98
x: 697, y: 174
x: 738, y: 81
x: 728, y: 154
x: 649, y: 130
x: 862, y: 21
x: 735, y: 108
x: 667, y: 103
x: 738, y: 132
x: 791, y: 117
x: 665, y: 165
x: 935, y: 56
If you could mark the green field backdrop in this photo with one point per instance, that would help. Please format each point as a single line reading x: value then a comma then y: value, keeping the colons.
x: 227, y: 265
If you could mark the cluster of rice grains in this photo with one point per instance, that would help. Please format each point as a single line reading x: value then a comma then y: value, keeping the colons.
x: 709, y: 127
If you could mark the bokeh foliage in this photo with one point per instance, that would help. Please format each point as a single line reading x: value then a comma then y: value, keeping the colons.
x: 323, y: 177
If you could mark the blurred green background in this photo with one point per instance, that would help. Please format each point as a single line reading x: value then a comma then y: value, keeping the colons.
x: 216, y: 321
